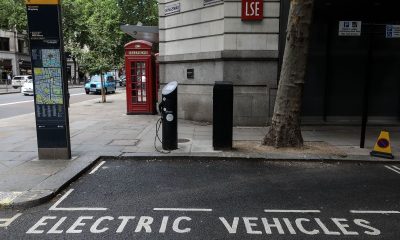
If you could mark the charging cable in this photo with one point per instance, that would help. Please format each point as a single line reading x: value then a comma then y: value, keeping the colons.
x: 158, y: 126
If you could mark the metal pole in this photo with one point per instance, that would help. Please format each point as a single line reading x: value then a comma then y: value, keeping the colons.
x: 16, y: 50
x: 367, y: 84
x: 328, y: 69
x: 103, y: 93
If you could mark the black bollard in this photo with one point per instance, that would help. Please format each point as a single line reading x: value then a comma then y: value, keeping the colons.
x: 222, y: 115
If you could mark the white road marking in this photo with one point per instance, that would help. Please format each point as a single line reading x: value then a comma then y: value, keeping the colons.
x: 184, y: 209
x: 290, y: 211
x: 8, y: 221
x: 55, y: 208
x: 396, y: 167
x: 77, y: 94
x: 97, y: 167
x: 13, y: 103
x: 374, y: 212
x: 392, y: 169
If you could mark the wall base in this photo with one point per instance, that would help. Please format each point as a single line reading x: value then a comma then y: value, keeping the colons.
x: 54, y: 153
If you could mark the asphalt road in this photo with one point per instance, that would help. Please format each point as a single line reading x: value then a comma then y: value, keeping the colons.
x: 218, y: 200
x: 17, y: 104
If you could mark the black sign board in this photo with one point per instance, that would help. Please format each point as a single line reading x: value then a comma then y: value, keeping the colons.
x: 190, y: 73
x: 50, y: 87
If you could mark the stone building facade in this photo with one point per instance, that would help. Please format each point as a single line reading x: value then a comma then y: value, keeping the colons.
x: 348, y: 75
x: 210, y: 38
x: 14, y: 54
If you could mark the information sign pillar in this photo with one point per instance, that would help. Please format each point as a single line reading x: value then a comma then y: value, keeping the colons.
x: 49, y: 82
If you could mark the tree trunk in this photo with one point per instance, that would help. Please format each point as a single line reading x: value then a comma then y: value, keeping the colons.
x: 285, y: 128
x: 74, y: 60
x: 79, y: 75
x: 103, y: 92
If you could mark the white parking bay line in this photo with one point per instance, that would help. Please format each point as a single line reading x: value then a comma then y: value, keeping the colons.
x: 13, y: 103
x: 97, y: 167
x: 393, y: 169
x: 77, y: 94
x: 374, y: 212
x: 184, y: 209
x: 396, y: 167
x: 55, y: 208
x: 8, y: 221
x: 290, y: 211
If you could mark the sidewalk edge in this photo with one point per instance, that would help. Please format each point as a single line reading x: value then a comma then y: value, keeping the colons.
x: 255, y: 157
x: 52, y: 193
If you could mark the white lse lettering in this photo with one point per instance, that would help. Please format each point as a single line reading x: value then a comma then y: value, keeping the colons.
x: 253, y: 9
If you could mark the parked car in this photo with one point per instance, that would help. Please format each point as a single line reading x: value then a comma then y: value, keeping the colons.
x: 94, y: 84
x: 18, y: 81
x: 122, y: 80
x: 27, y: 88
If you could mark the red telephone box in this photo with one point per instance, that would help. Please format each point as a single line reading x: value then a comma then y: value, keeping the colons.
x: 140, y: 81
x: 157, y: 73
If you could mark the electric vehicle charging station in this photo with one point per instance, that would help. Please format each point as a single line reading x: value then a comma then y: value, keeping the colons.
x: 169, y: 115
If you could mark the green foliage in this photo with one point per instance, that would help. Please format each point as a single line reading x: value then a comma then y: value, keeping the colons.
x: 74, y: 22
x: 13, y: 14
x: 103, y: 23
x: 74, y: 27
x: 91, y: 27
x: 134, y: 11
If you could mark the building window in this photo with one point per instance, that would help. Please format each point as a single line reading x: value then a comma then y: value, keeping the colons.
x: 21, y: 46
x: 4, y: 44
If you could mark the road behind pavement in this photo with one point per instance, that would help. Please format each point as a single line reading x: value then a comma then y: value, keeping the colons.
x: 127, y: 199
x: 17, y: 104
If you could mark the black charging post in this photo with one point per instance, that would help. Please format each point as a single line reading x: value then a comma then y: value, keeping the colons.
x: 169, y: 115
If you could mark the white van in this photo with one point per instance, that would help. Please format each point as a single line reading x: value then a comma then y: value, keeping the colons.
x: 18, y: 81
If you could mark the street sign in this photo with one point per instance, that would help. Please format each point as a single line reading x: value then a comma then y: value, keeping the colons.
x: 252, y: 10
x: 172, y: 8
x: 50, y: 87
x: 392, y: 31
x: 350, y: 28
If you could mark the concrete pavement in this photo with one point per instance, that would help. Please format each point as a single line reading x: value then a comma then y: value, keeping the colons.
x: 105, y: 131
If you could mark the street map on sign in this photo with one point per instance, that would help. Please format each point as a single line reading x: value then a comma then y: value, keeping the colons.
x: 51, y: 58
x: 48, y: 85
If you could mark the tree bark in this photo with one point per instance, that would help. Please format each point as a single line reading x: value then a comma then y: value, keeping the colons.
x: 285, y: 127
x: 74, y: 60
x: 103, y: 92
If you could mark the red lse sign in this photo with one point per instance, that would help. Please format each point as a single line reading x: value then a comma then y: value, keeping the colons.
x: 252, y: 9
